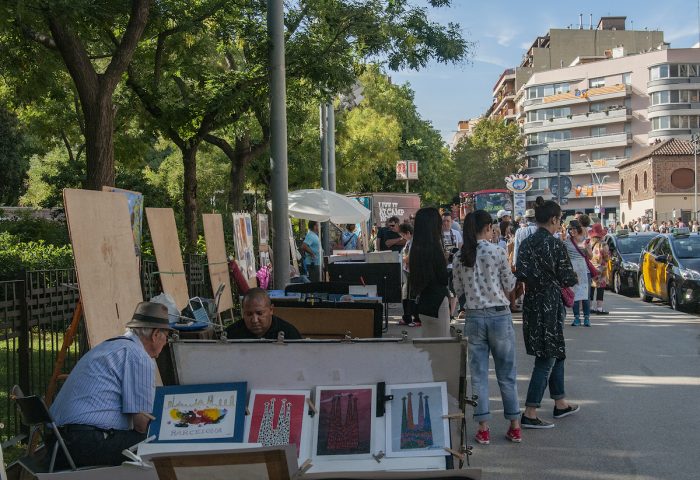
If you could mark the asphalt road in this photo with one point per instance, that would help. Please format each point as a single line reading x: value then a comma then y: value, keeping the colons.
x: 636, y: 375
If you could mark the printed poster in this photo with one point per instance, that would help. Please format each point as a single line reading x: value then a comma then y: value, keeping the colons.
x: 414, y: 423
x: 280, y: 417
x: 343, y: 427
x: 199, y: 413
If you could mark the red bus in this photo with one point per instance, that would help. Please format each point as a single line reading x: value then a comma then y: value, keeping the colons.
x: 490, y: 200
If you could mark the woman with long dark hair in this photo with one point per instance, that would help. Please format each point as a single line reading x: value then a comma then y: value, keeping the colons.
x: 427, y: 276
x: 544, y: 265
x: 482, y: 273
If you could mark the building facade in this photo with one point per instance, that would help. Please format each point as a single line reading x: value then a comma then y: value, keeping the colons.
x: 658, y: 182
x: 604, y: 112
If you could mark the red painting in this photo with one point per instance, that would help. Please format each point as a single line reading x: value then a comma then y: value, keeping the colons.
x: 277, y: 418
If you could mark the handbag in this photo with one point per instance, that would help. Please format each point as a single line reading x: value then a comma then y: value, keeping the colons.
x: 591, y: 268
x: 567, y: 296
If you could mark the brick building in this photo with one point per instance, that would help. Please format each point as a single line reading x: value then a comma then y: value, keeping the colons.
x: 658, y: 182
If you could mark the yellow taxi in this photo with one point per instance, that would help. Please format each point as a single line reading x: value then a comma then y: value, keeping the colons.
x: 669, y: 269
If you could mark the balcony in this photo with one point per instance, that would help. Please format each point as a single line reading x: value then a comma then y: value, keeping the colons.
x: 582, y: 143
x: 503, y: 101
x: 602, y: 165
x: 588, y: 119
x: 597, y: 94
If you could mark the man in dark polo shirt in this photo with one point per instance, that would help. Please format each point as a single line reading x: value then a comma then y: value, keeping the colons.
x: 258, y: 320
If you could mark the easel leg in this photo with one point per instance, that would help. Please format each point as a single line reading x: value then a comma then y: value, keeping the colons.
x: 61, y: 358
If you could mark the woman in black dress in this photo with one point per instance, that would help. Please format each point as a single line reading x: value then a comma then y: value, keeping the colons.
x: 427, y: 276
x: 544, y: 265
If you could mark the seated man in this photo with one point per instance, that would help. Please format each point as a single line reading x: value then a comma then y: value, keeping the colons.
x: 258, y: 320
x: 105, y: 405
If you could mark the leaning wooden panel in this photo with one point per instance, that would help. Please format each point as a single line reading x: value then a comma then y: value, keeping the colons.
x: 216, y: 257
x: 105, y: 260
x: 166, y: 243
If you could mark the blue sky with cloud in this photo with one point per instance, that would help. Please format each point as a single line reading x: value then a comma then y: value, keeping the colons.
x: 504, y: 29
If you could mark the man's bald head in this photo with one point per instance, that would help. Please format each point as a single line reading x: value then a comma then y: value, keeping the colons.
x: 257, y: 294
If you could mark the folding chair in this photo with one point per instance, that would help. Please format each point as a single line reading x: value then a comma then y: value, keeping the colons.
x: 36, y: 415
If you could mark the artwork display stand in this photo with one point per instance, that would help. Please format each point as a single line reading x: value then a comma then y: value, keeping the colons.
x: 307, y: 364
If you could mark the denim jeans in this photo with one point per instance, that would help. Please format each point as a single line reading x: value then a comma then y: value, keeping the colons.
x: 492, y: 331
x: 547, y: 371
x: 586, y: 309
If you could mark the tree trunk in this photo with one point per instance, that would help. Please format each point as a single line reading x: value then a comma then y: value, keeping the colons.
x: 99, y: 128
x: 239, y: 161
x: 189, y: 196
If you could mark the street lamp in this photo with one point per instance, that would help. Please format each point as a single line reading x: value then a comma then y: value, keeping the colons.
x: 594, y: 175
x: 695, y: 141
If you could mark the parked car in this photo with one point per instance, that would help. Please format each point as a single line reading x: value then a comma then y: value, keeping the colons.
x: 669, y: 269
x: 623, y: 266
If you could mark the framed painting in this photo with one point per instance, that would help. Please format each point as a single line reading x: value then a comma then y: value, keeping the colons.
x: 414, y: 423
x: 280, y: 417
x: 199, y: 413
x: 263, y: 229
x: 344, y: 425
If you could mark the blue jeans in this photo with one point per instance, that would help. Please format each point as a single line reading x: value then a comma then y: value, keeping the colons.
x: 492, y: 331
x: 547, y: 371
x: 586, y: 309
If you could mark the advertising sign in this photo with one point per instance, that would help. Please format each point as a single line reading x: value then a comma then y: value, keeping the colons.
x: 412, y: 169
x: 401, y: 170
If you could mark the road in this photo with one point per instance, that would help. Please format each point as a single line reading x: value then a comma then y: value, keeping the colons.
x: 636, y: 375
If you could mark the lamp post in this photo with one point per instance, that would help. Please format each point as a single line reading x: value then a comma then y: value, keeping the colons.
x: 695, y: 141
x: 594, y: 176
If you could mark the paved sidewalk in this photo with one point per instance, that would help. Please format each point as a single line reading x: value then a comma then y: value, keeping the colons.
x: 636, y: 375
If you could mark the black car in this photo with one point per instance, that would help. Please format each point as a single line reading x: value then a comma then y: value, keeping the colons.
x: 623, y: 266
x: 669, y: 269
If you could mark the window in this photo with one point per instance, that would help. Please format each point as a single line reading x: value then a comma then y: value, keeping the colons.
x: 627, y: 78
x: 598, y: 131
x: 597, y: 107
x: 598, y: 154
x: 629, y: 199
x: 596, y: 82
x: 546, y: 90
x: 622, y: 187
x: 540, y: 183
x: 657, y: 72
x: 682, y: 178
x: 646, y: 186
x: 538, y: 161
x: 636, y: 183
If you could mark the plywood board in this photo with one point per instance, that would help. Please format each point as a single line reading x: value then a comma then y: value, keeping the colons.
x: 166, y: 243
x: 105, y: 260
x: 216, y: 257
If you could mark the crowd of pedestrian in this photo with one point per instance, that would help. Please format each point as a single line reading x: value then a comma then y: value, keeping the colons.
x: 487, y: 269
x: 643, y: 224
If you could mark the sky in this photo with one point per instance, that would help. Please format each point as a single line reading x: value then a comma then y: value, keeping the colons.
x: 503, y: 30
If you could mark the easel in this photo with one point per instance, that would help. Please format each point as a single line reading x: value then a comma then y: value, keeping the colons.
x: 68, y: 338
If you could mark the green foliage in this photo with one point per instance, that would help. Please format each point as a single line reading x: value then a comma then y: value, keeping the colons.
x: 13, y: 159
x: 48, y: 175
x: 28, y: 229
x: 16, y: 256
x: 493, y: 152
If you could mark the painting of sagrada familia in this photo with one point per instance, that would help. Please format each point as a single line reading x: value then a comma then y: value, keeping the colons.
x: 345, y: 423
x: 415, y: 425
x: 415, y: 434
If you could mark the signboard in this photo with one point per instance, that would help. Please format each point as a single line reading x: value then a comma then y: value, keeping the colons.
x: 559, y: 161
x: 401, y: 170
x: 386, y: 205
x: 519, y: 203
x: 519, y: 184
x: 565, y: 186
x: 412, y: 169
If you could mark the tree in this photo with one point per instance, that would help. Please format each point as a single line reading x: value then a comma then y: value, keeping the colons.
x: 85, y: 34
x: 13, y: 163
x: 485, y: 158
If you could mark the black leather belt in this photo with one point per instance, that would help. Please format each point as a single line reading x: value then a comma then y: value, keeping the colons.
x: 72, y: 427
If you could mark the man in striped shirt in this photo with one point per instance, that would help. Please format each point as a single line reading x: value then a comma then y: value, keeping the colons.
x: 105, y: 405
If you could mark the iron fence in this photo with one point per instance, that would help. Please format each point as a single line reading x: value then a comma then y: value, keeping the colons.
x: 34, y: 314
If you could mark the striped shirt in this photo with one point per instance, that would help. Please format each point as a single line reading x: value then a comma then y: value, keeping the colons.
x: 112, y: 381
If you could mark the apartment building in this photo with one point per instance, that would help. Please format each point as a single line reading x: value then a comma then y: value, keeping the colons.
x: 465, y: 128
x: 503, y: 105
x: 604, y: 112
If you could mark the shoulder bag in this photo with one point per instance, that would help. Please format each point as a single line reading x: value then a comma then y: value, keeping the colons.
x: 591, y: 268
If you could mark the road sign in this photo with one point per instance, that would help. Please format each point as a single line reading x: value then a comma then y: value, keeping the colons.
x: 565, y: 186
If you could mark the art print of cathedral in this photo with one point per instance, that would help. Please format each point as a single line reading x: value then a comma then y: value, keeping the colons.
x: 415, y: 434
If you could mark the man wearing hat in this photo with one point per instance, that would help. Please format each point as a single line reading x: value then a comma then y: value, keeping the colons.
x: 105, y: 405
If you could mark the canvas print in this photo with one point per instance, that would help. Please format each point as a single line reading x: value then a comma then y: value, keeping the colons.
x: 199, y: 413
x: 414, y: 423
x: 343, y: 428
x: 279, y: 417
x: 263, y: 230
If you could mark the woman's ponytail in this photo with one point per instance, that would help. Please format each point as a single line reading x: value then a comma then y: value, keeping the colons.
x: 473, y: 224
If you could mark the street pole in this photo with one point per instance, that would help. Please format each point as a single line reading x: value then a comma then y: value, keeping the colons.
x: 325, y: 229
x: 559, y: 176
x: 330, y: 140
x: 278, y: 144
x: 695, y: 140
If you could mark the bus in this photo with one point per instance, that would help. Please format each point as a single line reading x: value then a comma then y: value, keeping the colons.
x: 490, y: 200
